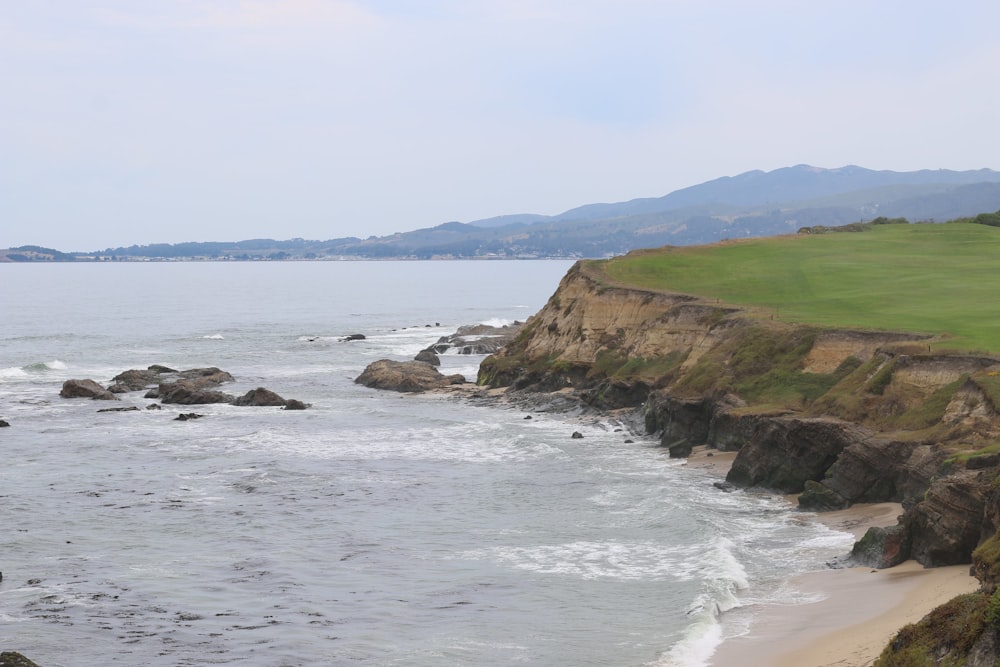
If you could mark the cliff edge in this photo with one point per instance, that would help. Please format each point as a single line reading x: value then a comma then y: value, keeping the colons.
x: 837, y: 416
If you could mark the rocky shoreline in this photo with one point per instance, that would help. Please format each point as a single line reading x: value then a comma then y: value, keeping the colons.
x: 836, y: 417
x: 196, y: 386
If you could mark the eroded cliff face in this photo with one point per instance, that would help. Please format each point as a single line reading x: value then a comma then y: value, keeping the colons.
x: 839, y: 416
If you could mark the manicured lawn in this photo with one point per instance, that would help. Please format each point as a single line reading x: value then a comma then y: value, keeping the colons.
x: 936, y: 279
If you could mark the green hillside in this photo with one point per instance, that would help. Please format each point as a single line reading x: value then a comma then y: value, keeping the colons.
x: 936, y: 279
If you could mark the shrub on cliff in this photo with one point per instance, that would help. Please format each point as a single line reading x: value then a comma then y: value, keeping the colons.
x: 954, y: 634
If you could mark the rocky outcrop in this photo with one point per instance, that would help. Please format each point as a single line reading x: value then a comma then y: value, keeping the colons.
x: 86, y: 389
x: 262, y: 397
x: 839, y: 416
x: 196, y: 386
x: 15, y: 659
x: 476, y: 339
x: 133, y: 380
x: 946, y: 526
x: 205, y: 377
x: 785, y: 452
x: 405, y: 376
x: 189, y: 392
x: 428, y: 356
x: 875, y: 470
x: 882, y: 547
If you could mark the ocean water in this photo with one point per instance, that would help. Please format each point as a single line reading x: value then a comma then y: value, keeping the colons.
x: 373, y: 528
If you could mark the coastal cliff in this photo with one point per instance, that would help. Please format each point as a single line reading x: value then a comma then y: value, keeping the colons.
x: 836, y: 416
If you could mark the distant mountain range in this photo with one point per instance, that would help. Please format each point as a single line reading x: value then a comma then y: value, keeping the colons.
x: 756, y: 203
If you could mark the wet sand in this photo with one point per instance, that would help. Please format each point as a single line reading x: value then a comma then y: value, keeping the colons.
x: 859, y: 611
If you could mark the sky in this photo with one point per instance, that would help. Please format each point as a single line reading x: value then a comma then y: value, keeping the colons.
x: 163, y: 121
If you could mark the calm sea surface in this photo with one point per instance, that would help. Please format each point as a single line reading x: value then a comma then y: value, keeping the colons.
x: 373, y: 528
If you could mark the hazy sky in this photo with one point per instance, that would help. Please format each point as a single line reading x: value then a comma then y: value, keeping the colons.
x: 141, y: 121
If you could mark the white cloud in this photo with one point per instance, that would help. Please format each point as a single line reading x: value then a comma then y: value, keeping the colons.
x: 331, y: 117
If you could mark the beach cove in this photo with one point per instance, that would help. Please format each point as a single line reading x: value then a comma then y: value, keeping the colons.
x: 857, y: 609
x: 838, y: 417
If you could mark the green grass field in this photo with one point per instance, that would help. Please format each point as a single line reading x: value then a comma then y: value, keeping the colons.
x: 934, y: 279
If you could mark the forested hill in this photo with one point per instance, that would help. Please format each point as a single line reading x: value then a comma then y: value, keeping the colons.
x: 755, y: 203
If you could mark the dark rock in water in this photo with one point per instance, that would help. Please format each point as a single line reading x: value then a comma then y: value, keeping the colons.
x: 405, y: 376
x: 478, y: 339
x: 86, y: 389
x: 152, y: 393
x: 206, y: 377
x: 629, y: 441
x: 131, y: 408
x: 260, y: 397
x: 133, y: 380
x: 15, y: 659
x: 577, y: 435
x: 160, y: 370
x: 4, y: 423
x: 724, y: 486
x: 429, y: 356
x: 185, y: 416
x: 184, y: 392
x: 351, y: 337
x: 154, y: 406
x: 528, y: 417
x: 265, y: 397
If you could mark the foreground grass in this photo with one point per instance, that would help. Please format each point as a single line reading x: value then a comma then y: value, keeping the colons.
x: 942, y: 280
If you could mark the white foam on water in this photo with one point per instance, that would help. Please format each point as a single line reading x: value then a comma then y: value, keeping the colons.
x: 497, y: 322
x: 720, y: 587
x: 12, y: 373
x: 214, y: 337
x: 416, y: 443
x: 589, y: 560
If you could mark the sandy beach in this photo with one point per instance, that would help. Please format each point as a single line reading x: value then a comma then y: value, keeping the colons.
x: 859, y: 611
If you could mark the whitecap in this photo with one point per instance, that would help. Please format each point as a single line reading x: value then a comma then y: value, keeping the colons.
x: 497, y: 322
x: 12, y: 373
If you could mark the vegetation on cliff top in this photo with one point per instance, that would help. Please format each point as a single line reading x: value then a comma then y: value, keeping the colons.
x: 934, y: 279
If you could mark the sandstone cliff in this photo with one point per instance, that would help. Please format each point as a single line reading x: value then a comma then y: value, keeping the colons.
x: 839, y: 416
